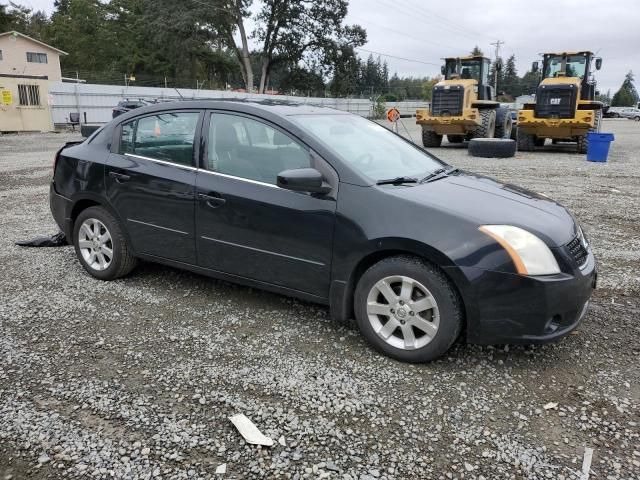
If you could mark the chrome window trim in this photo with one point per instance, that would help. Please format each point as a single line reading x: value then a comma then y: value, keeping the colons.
x: 161, y: 162
x: 248, y: 180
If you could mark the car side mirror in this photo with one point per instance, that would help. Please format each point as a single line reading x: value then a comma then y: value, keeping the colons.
x: 534, y: 67
x: 598, y: 63
x: 303, y: 180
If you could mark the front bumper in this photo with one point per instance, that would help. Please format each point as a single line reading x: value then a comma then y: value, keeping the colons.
x: 510, y: 308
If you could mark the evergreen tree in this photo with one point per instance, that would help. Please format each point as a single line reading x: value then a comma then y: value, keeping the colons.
x: 627, y: 95
x: 477, y: 52
x: 510, y: 79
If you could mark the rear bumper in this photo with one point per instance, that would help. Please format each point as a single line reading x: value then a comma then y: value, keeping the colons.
x: 510, y: 308
x: 61, y: 210
x: 459, y: 124
x: 583, y: 121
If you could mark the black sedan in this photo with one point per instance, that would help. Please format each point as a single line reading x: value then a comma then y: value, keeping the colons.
x: 329, y: 207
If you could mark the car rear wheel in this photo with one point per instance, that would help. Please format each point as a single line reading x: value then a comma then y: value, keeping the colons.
x: 101, y: 246
x: 407, y: 309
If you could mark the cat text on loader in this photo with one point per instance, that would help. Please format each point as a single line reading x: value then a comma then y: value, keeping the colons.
x: 565, y: 109
x: 463, y: 105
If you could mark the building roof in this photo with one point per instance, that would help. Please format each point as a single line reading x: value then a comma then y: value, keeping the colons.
x: 14, y: 33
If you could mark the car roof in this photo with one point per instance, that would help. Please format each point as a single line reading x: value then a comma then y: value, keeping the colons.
x: 277, y: 107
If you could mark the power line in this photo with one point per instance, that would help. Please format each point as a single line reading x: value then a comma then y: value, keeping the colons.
x: 462, y: 28
x: 396, y: 57
x: 404, y: 34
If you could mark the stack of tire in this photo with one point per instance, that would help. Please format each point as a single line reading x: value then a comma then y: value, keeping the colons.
x: 496, y: 137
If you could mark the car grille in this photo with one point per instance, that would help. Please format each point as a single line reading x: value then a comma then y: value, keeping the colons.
x: 556, y: 101
x: 447, y: 100
x: 577, y: 250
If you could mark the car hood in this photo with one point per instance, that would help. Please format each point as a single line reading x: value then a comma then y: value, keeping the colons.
x: 485, y: 201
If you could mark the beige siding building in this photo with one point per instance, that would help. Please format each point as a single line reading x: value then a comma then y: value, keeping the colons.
x: 27, y: 67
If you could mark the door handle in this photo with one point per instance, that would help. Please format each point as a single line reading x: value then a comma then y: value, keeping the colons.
x: 119, y: 177
x: 212, y: 201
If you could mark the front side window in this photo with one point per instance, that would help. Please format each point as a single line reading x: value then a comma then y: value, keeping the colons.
x: 368, y: 147
x: 246, y: 148
x: 34, y: 57
x: 164, y: 136
x: 29, y: 95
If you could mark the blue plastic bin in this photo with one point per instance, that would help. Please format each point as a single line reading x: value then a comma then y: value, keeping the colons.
x: 598, y: 149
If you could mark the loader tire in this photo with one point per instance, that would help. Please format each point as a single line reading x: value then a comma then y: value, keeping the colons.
x: 539, y: 141
x: 455, y: 138
x: 583, y: 140
x: 431, y: 138
x: 492, y: 147
x: 526, y: 142
x: 504, y: 123
x: 487, y: 128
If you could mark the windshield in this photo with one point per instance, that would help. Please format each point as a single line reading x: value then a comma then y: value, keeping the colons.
x: 575, y: 67
x: 469, y: 69
x: 368, y: 147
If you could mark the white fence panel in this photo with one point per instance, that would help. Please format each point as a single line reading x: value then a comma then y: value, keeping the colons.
x: 95, y: 103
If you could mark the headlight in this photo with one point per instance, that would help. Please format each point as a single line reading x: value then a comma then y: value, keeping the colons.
x: 529, y: 254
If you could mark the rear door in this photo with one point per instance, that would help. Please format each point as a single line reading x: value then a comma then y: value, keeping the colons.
x: 246, y: 224
x: 150, y: 181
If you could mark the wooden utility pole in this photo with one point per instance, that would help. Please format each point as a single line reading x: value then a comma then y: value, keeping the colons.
x: 497, y: 44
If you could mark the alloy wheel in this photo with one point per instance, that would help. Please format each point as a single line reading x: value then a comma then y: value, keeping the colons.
x: 95, y: 244
x: 403, y: 312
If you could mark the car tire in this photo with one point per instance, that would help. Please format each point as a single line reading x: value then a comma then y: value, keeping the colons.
x: 413, y: 284
x: 493, y: 147
x: 455, y: 138
x: 637, y: 119
x: 431, y: 138
x: 101, y: 246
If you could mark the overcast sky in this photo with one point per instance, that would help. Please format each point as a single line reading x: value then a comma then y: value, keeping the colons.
x: 424, y: 31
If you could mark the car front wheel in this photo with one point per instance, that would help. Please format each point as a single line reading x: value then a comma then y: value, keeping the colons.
x: 408, y: 309
x: 101, y: 246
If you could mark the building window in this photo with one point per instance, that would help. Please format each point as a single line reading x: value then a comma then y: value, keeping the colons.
x: 34, y: 57
x: 29, y: 95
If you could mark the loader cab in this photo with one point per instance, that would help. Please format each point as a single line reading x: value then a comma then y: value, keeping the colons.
x: 470, y: 68
x: 573, y: 65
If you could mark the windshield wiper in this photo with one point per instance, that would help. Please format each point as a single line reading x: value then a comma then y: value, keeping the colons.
x: 397, y: 181
x: 438, y: 174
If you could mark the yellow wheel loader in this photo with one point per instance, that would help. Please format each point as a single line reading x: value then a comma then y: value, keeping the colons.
x: 565, y: 109
x: 463, y: 105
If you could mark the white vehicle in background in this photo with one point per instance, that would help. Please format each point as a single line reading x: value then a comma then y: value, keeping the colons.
x: 631, y: 113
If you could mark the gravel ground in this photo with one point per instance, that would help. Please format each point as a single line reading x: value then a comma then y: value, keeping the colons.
x: 137, y: 378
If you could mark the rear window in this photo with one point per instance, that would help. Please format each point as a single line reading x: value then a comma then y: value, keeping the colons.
x: 167, y: 136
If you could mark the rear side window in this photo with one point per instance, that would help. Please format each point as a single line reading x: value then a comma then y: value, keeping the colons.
x: 164, y: 136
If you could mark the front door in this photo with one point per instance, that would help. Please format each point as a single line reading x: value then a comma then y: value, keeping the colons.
x: 246, y: 225
x: 150, y: 181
